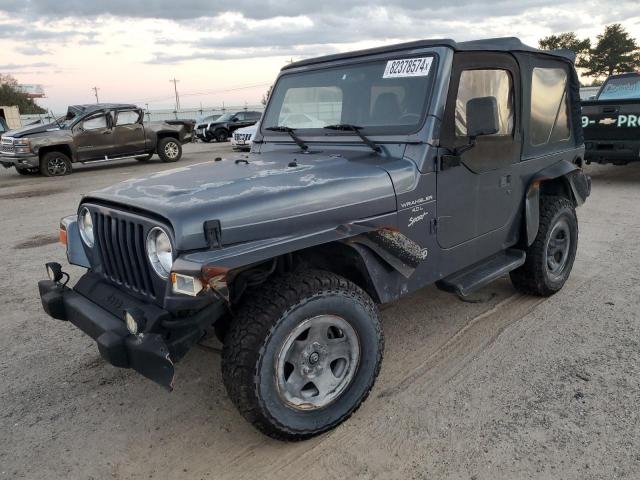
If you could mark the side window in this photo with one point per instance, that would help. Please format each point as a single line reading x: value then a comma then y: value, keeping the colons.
x: 485, y: 83
x: 127, y: 117
x: 95, y: 122
x: 241, y: 116
x: 549, y: 122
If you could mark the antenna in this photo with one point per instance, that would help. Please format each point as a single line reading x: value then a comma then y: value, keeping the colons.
x: 95, y: 92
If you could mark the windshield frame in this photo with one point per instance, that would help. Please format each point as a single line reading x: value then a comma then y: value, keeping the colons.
x: 320, y: 135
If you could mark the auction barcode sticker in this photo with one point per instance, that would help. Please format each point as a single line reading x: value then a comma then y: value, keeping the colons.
x: 408, y: 67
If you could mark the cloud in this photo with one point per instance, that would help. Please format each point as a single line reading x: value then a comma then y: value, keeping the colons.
x: 31, y: 50
x: 10, y: 67
x: 190, y: 30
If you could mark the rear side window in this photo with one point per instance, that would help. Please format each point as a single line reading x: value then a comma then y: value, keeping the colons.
x: 549, y: 122
x: 485, y: 83
x: 127, y: 118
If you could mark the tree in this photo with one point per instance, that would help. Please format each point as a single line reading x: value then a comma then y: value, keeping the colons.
x: 265, y: 97
x: 615, y: 52
x: 567, y: 41
x: 10, y: 95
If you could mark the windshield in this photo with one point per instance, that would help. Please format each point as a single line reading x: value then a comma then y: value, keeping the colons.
x: 65, y: 122
x: 621, y: 88
x: 385, y: 97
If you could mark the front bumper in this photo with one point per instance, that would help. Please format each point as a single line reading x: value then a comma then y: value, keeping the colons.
x: 612, y: 151
x: 202, y: 132
x: 20, y: 160
x: 165, y: 339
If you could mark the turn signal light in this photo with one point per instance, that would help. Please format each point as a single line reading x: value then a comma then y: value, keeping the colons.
x: 185, y: 284
x: 62, y: 236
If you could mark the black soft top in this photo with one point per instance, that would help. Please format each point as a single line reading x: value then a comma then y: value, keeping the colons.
x: 505, y: 44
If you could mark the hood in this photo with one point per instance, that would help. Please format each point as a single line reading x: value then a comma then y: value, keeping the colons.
x: 265, y: 198
x: 251, y: 129
x: 32, y: 130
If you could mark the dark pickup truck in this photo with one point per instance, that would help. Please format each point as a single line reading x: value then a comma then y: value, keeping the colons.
x: 92, y: 133
x: 611, y: 121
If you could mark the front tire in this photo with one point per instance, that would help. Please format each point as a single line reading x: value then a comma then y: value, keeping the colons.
x: 169, y: 149
x: 550, y: 257
x: 55, y: 164
x: 302, y: 354
x: 221, y: 135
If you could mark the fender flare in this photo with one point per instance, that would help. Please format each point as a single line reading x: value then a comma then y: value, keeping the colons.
x: 579, y: 185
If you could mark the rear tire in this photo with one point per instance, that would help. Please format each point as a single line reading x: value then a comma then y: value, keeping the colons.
x: 302, y: 354
x: 55, y: 164
x: 169, y: 149
x: 550, y: 257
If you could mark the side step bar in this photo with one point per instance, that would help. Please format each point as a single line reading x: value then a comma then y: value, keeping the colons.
x: 472, y: 278
x: 111, y: 159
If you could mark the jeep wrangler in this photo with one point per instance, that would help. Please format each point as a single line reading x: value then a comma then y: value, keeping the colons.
x: 426, y: 162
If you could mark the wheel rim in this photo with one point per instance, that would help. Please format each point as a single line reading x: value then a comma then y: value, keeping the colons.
x: 171, y: 150
x: 57, y: 166
x: 221, y: 137
x: 558, y: 248
x: 317, y: 362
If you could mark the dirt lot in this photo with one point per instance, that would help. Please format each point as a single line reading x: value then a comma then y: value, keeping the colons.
x: 498, y: 386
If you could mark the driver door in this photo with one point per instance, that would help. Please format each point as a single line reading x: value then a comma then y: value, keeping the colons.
x: 476, y: 197
x: 93, y: 137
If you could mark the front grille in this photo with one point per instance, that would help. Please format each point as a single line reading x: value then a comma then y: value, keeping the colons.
x: 8, y: 148
x: 122, y: 249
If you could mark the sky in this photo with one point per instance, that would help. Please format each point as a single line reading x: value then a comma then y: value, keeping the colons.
x: 232, y: 51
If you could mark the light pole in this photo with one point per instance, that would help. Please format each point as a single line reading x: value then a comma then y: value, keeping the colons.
x: 175, y: 88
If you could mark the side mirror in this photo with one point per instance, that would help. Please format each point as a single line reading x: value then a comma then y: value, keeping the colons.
x: 234, y: 119
x: 482, y: 117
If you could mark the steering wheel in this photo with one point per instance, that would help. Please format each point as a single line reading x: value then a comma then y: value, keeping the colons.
x: 409, y: 118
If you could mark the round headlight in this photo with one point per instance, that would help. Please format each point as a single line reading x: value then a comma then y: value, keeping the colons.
x: 85, y: 225
x: 160, y: 252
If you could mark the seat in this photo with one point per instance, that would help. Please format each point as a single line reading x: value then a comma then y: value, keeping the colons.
x: 386, y: 109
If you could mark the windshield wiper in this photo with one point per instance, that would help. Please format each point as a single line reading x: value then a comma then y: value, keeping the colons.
x: 347, y: 127
x: 292, y: 134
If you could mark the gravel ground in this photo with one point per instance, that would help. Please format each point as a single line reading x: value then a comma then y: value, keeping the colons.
x: 500, y: 386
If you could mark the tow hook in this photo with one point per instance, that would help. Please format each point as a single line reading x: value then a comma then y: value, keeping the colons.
x: 55, y: 273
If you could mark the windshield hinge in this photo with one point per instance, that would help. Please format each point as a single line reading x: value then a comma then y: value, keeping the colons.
x: 449, y: 160
x: 213, y: 233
